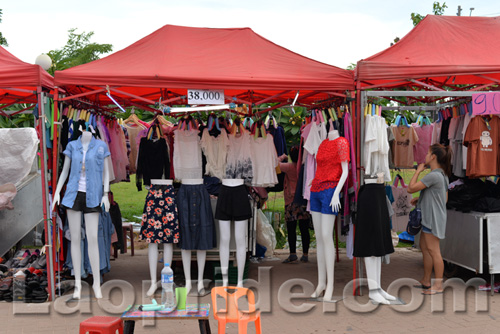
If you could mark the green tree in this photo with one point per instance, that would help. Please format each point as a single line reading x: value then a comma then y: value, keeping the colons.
x: 437, y: 9
x: 22, y: 120
x: 3, y: 40
x: 78, y: 50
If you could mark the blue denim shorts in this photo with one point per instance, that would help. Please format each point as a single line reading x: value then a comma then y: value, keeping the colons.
x: 320, y: 201
x: 426, y: 230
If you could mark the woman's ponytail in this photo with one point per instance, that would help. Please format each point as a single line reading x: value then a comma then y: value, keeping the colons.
x: 443, y: 155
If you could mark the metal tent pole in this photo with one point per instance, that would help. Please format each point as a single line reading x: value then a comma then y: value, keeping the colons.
x: 45, y: 195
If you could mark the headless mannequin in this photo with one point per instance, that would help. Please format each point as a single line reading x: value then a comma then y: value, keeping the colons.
x: 168, y: 250
x: 240, y: 229
x: 91, y: 225
x: 323, y: 227
x: 201, y: 256
x: 373, y: 265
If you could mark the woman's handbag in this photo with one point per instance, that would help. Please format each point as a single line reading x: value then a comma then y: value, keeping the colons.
x: 415, y: 222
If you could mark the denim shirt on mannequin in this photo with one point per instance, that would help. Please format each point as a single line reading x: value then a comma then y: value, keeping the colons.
x: 94, y: 164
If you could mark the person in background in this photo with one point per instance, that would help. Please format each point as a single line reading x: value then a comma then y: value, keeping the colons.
x: 432, y: 202
x: 293, y: 211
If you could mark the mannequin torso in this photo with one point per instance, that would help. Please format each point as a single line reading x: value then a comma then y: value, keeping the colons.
x: 332, y: 135
x: 192, y: 181
x: 162, y: 182
x: 232, y: 182
x: 86, y: 137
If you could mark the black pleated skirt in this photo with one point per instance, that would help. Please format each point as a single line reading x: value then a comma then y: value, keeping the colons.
x: 233, y: 204
x: 373, y: 230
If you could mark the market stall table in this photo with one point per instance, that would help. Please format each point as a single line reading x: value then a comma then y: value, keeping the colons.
x: 199, y: 312
x: 465, y: 235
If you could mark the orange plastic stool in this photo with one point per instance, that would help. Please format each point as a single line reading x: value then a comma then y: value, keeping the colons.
x: 101, y: 325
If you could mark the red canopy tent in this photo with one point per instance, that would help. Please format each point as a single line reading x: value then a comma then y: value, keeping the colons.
x: 20, y: 81
x: 440, y: 51
x: 172, y: 59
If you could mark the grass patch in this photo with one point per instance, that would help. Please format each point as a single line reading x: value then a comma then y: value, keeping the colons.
x: 130, y: 200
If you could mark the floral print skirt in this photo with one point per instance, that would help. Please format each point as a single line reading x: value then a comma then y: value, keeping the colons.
x: 160, y: 222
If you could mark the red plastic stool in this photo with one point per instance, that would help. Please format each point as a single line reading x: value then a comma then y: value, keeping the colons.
x: 102, y: 325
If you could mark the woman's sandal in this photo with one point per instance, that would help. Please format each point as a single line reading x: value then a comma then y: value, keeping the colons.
x: 291, y: 259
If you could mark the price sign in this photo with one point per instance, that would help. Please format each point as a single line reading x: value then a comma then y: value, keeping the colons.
x: 486, y: 103
x: 201, y: 96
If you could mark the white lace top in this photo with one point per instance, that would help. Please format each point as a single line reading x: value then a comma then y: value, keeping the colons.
x: 187, y: 155
x: 215, y: 150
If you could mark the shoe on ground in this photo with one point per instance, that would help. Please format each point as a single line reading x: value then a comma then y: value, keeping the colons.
x: 291, y: 259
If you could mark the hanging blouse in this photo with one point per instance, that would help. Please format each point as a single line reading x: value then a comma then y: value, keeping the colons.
x: 406, y: 138
x: 424, y: 134
x: 133, y: 131
x: 215, y: 150
x: 239, y: 158
x: 152, y: 162
x: 118, y: 149
x: 187, y: 154
x: 265, y: 161
x: 376, y: 153
x: 482, y: 139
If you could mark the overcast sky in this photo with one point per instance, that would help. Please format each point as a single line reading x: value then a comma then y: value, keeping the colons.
x: 332, y: 31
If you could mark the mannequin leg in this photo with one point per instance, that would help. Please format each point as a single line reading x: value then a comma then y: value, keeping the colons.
x: 318, y: 228
x: 379, y: 275
x: 153, y: 263
x: 168, y: 253
x: 201, y: 257
x: 328, y: 223
x: 240, y: 229
x: 225, y: 238
x: 372, y: 273
x: 92, y: 230
x: 75, y: 221
x: 186, y: 265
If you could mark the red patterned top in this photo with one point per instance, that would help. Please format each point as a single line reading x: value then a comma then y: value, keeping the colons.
x: 330, y: 155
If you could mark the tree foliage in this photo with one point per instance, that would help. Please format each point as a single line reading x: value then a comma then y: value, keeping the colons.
x: 3, y: 40
x: 22, y: 120
x: 78, y: 50
x: 437, y: 9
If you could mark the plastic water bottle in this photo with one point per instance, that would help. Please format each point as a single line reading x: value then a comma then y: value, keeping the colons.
x: 167, y: 288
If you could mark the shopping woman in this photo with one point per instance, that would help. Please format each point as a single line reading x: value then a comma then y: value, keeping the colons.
x: 432, y: 201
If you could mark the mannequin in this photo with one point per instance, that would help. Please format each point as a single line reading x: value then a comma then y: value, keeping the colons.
x: 373, y: 265
x: 324, y: 224
x: 240, y: 229
x: 168, y: 250
x: 201, y: 255
x: 97, y: 159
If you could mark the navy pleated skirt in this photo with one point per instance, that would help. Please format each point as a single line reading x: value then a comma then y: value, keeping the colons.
x: 195, y: 218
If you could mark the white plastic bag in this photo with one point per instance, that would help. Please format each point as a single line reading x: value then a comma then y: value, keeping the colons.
x: 265, y: 233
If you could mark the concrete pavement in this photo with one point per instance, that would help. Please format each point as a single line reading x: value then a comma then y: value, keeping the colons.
x: 441, y: 313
